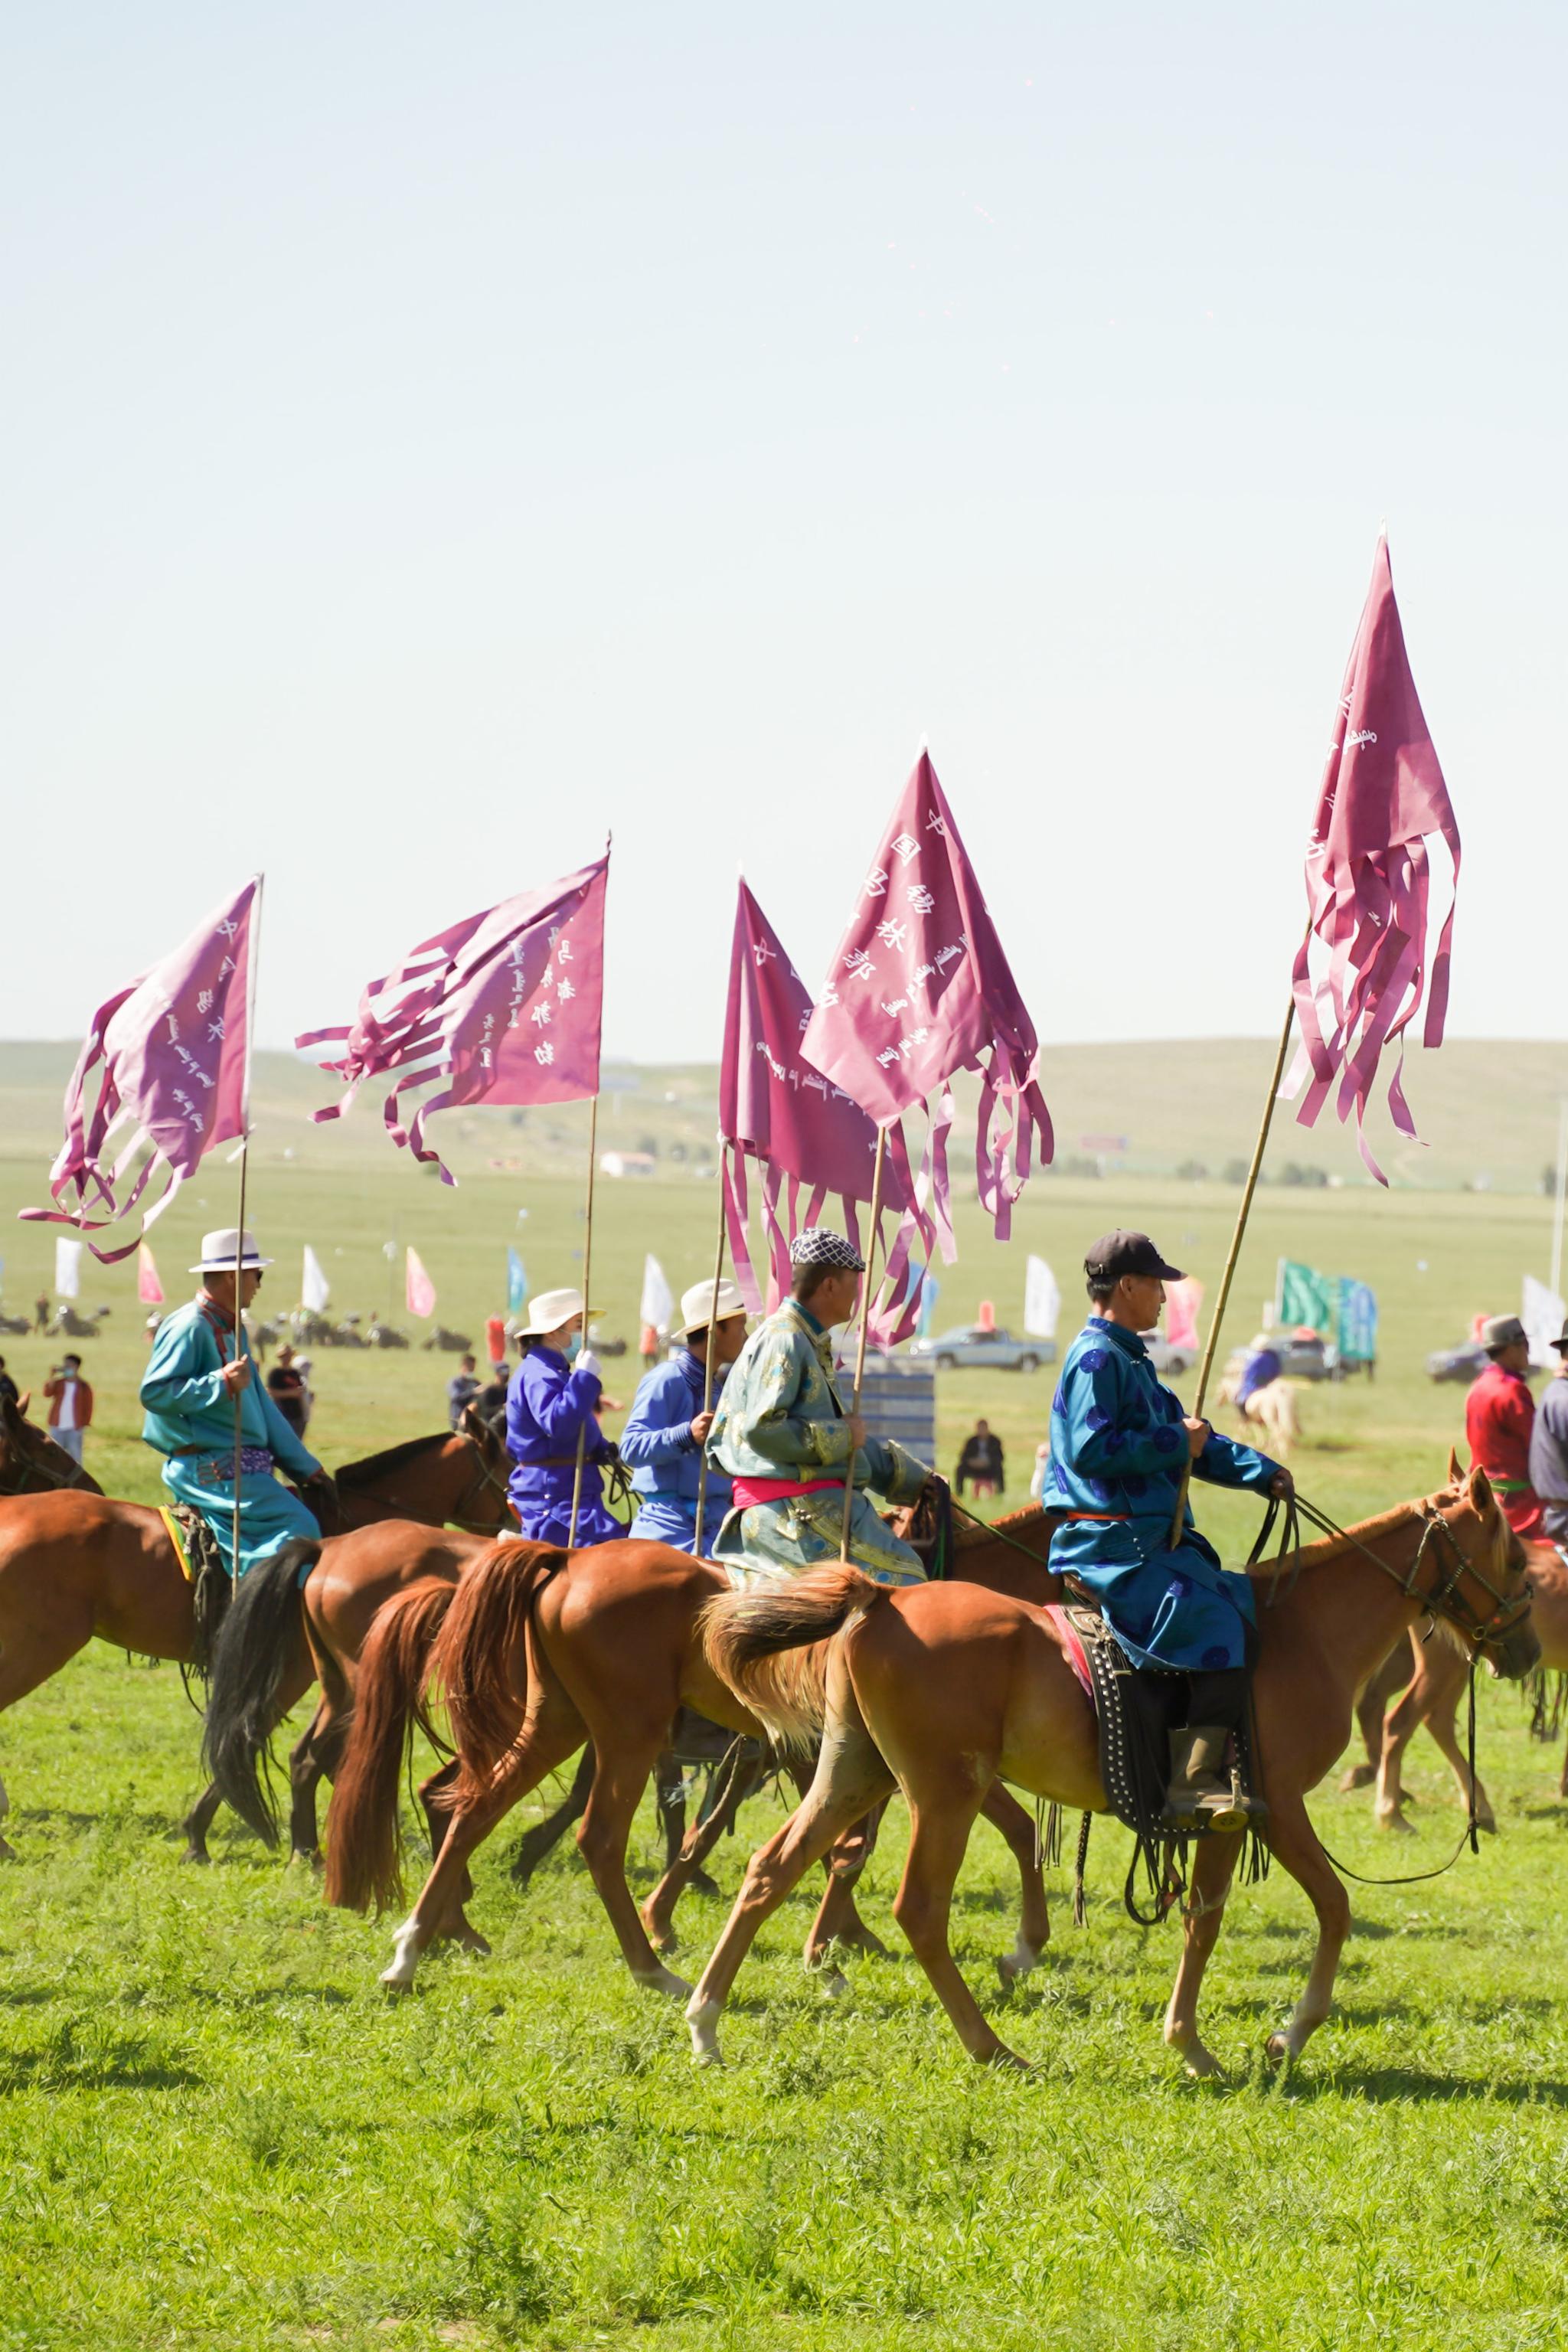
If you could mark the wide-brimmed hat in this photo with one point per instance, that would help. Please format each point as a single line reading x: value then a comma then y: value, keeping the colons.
x: 547, y: 1310
x: 1502, y: 1331
x: 1561, y: 1342
x: 220, y: 1249
x: 706, y: 1303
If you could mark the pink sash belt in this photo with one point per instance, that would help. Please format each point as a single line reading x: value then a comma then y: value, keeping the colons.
x: 748, y: 1491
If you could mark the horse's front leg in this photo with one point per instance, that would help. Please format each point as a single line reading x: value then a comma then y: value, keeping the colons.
x: 1202, y: 1915
x: 1294, y: 1844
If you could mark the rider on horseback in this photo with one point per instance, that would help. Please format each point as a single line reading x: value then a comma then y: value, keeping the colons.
x: 1119, y: 1441
x: 781, y: 1434
x: 198, y: 1364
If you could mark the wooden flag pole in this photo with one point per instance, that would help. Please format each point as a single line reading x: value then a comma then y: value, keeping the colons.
x: 865, y: 1296
x: 1221, y: 1301
x: 708, y: 1367
x: 252, y: 950
x: 587, y: 1305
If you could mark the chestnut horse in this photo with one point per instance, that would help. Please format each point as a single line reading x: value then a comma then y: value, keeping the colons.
x: 542, y: 1649
x: 75, y: 1563
x: 938, y: 1688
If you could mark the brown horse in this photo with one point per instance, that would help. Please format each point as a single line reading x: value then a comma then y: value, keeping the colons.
x: 75, y: 1562
x: 939, y: 1688
x: 542, y: 1649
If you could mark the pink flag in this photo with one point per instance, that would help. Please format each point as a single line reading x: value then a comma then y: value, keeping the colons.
x: 1183, y: 1300
x: 505, y: 1007
x: 149, y: 1289
x: 175, y: 1050
x: 774, y: 1107
x: 920, y: 988
x: 419, y: 1290
x: 1369, y: 883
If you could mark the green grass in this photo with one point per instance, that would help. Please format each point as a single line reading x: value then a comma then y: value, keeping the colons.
x: 215, y: 2131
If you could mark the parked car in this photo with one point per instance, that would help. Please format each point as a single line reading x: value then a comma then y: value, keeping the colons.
x: 971, y: 1348
x: 1463, y: 1363
x: 1166, y: 1358
x: 1304, y: 1356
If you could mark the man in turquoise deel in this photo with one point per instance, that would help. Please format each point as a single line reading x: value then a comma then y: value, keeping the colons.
x: 1119, y: 1442
x: 197, y: 1366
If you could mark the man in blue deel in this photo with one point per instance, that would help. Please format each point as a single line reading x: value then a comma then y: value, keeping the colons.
x: 668, y: 1426
x: 1119, y: 1441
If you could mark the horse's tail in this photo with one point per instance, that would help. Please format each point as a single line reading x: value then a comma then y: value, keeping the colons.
x: 364, y: 1839
x: 477, y: 1657
x: 770, y: 1644
x: 249, y: 1657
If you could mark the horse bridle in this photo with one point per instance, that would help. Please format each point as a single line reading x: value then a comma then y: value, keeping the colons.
x: 1446, y: 1598
x: 46, y: 1479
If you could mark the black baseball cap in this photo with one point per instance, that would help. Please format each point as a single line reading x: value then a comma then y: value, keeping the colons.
x: 1114, y: 1255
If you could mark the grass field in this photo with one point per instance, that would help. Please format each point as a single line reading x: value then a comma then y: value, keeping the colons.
x: 216, y: 2131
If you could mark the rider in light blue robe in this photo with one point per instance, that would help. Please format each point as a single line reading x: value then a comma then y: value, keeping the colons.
x: 661, y: 1444
x: 190, y: 1421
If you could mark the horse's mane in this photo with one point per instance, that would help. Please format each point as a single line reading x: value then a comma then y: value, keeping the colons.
x: 970, y: 1532
x: 378, y: 1465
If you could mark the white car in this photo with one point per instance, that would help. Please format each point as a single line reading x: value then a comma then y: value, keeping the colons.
x: 1166, y: 1358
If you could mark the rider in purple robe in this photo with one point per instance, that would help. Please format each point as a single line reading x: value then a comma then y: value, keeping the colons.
x: 553, y: 1396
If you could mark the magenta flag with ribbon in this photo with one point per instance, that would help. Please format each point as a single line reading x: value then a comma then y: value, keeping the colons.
x: 800, y: 1129
x: 1362, y: 969
x: 504, y: 1007
x: 149, y: 1289
x: 174, y: 1048
x: 920, y: 989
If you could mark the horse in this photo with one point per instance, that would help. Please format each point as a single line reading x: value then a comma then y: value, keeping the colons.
x: 938, y: 1688
x: 542, y: 1649
x: 1271, y: 1408
x: 75, y: 1562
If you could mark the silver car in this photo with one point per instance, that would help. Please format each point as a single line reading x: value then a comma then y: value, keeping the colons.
x: 971, y: 1348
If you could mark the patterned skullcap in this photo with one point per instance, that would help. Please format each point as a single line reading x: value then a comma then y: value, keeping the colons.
x: 819, y: 1246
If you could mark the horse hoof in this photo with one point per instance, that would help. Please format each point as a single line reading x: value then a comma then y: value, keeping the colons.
x: 832, y: 1983
x: 663, y: 1981
x: 702, y: 2024
x: 198, y: 1855
x: 1357, y: 1776
x: 1202, y: 2065
x: 1016, y: 1964
x: 1277, y: 2049
x: 701, y: 1884
x: 1396, y: 1822
x: 1002, y: 2061
x: 468, y: 1939
x: 8, y: 1852
x: 861, y: 1940
x: 307, y: 1857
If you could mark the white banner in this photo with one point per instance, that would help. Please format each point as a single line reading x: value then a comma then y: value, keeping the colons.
x: 1544, y: 1315
x: 657, y: 1298
x: 1041, y: 1300
x: 314, y: 1287
x: 68, y: 1270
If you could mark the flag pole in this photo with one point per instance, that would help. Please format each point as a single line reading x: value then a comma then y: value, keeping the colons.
x: 253, y: 951
x: 587, y: 1304
x: 707, y: 1366
x: 860, y: 1344
x: 1236, y: 1241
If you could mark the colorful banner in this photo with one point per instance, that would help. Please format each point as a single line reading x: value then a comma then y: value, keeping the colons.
x: 174, y: 1050
x: 314, y: 1289
x: 1357, y: 1335
x: 1307, y: 1300
x: 1183, y: 1300
x: 68, y: 1270
x: 516, y: 1283
x: 1544, y: 1317
x: 657, y: 1310
x: 418, y: 1288
x: 149, y: 1289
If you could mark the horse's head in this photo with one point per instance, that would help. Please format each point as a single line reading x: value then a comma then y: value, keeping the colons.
x: 30, y: 1461
x: 1471, y: 1570
x: 486, y: 1506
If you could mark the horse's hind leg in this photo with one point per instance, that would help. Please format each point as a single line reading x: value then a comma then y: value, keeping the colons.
x: 940, y: 1819
x: 618, y: 1785
x: 552, y: 1730
x: 197, y: 1822
x: 435, y: 1804
x: 1434, y: 1691
x: 740, y: 1781
x: 1213, y: 1864
x: 536, y: 1843
x: 850, y: 1777
x: 1003, y: 1810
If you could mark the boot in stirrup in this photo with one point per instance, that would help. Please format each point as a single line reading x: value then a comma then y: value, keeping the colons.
x: 1201, y: 1795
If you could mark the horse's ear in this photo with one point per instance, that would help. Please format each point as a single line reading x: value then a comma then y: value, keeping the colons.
x: 1456, y: 1467
x: 1480, y: 1491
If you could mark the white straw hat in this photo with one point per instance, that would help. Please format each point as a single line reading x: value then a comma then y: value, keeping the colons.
x: 220, y: 1249
x: 706, y: 1303
x: 547, y: 1310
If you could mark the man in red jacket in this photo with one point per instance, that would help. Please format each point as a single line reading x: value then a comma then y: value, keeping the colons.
x: 1499, y: 1414
x: 70, y: 1405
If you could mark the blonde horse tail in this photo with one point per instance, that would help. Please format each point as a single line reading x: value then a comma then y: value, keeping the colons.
x: 770, y: 1645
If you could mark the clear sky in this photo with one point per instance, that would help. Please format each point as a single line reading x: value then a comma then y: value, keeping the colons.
x: 436, y: 435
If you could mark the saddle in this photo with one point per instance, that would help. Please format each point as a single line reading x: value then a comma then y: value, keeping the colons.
x: 1136, y: 1709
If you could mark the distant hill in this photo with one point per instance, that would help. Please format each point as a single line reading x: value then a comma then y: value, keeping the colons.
x: 1487, y: 1112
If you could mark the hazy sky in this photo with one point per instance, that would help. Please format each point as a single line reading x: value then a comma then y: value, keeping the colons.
x: 435, y: 436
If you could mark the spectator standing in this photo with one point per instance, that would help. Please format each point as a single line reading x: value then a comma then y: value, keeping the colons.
x: 1499, y: 1414
x: 981, y: 1463
x: 41, y: 1311
x: 286, y: 1387
x: 461, y: 1390
x: 70, y: 1406
x: 1549, y: 1449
